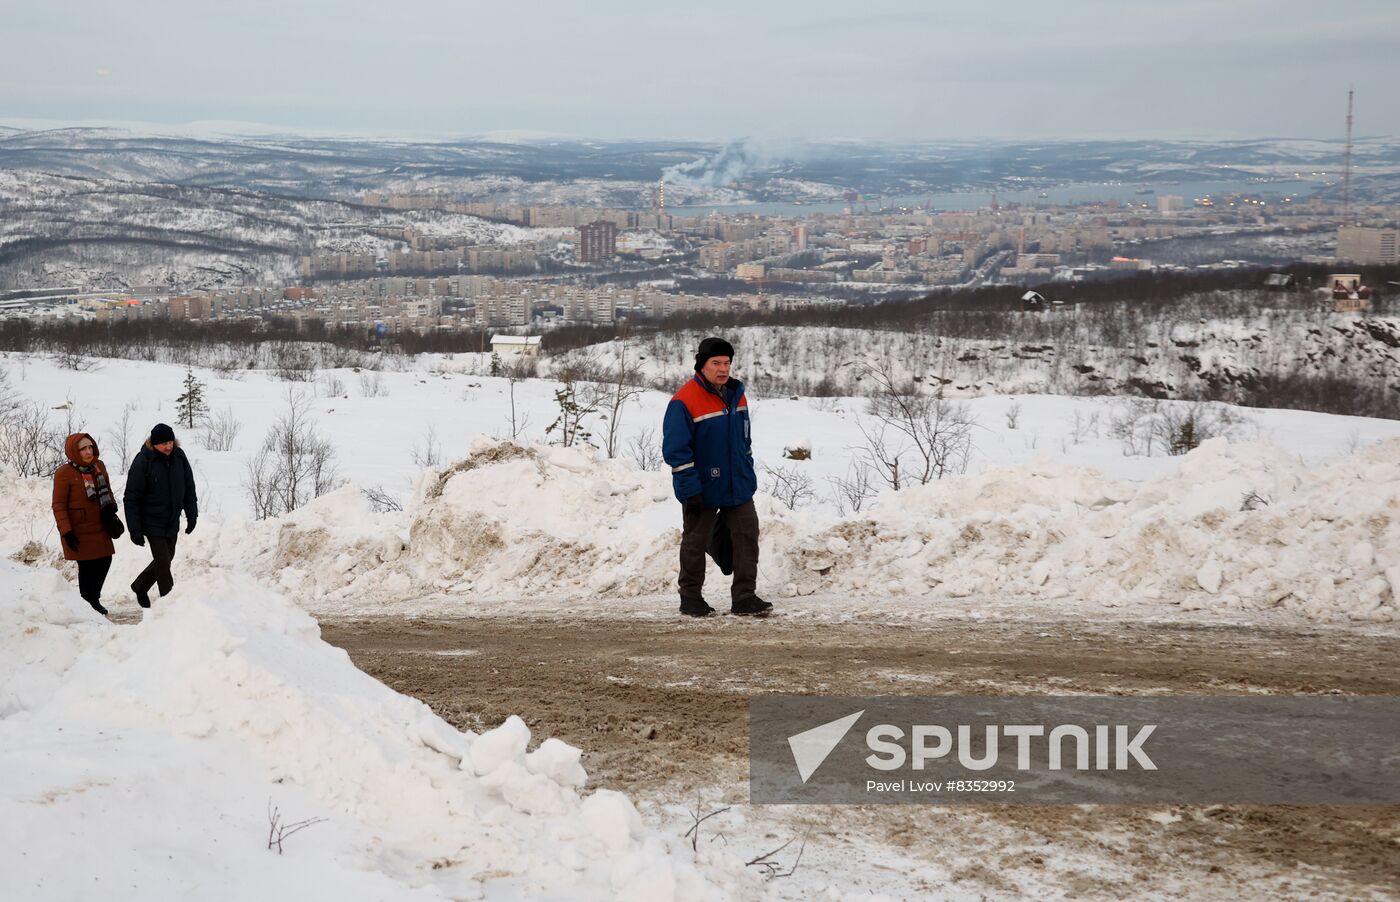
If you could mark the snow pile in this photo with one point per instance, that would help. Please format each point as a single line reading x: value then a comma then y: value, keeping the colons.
x: 1230, y: 527
x: 149, y: 757
x: 1236, y: 526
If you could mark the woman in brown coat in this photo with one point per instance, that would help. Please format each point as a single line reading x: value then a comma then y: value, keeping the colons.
x: 86, y: 514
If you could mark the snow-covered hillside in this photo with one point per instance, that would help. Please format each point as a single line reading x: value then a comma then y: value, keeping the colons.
x: 107, y: 233
x: 1064, y: 498
x: 1158, y: 355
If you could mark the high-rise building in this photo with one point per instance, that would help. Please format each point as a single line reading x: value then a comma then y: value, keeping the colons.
x: 597, y: 241
x: 1361, y: 245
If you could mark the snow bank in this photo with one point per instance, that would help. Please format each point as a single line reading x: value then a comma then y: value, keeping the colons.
x: 1235, y: 527
x: 142, y: 761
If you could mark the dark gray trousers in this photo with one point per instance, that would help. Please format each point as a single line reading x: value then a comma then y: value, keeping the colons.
x: 698, y: 523
x: 157, y: 572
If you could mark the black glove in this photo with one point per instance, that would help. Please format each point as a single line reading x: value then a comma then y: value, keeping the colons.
x: 137, y: 539
x: 695, y: 501
x: 112, y: 523
x: 70, y: 538
x: 189, y: 525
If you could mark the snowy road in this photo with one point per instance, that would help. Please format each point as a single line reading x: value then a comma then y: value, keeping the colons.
x: 660, y: 706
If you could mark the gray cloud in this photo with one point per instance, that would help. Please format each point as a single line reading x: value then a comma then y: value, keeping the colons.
x: 776, y: 69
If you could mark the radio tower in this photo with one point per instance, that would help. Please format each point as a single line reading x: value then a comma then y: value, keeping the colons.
x: 1346, y: 166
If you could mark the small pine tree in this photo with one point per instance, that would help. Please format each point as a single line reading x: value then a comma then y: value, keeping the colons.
x: 573, y: 407
x: 190, y: 407
x: 495, y: 364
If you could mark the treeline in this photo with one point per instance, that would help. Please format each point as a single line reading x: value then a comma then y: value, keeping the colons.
x: 140, y: 339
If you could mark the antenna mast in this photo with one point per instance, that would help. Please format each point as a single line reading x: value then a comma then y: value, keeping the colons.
x: 1346, y: 166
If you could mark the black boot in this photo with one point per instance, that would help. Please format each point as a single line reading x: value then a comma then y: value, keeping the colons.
x: 753, y: 606
x: 695, y: 607
x: 142, y: 598
x: 97, y: 606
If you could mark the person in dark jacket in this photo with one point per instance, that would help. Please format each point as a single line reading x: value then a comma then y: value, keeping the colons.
x: 159, y: 485
x: 706, y: 442
x: 86, y: 515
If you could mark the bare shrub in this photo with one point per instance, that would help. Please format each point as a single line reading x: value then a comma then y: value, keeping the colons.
x: 1132, y: 425
x: 293, y: 361
x: 221, y: 430
x: 381, y: 500
x: 1013, y: 415
x: 854, y: 490
x: 120, y: 436
x: 619, y: 390
x: 332, y: 386
x: 645, y: 450
x: 916, y: 437
x: 1181, y: 428
x: 372, y: 384
x: 1176, y: 428
x: 428, y: 452
x: 30, y: 445
x: 294, y: 465
x: 1081, y: 426
x: 790, y: 485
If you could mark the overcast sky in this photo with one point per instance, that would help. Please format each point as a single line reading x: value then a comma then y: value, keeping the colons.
x: 714, y: 68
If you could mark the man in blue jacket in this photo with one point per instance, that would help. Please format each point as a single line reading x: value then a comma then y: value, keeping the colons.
x: 705, y: 440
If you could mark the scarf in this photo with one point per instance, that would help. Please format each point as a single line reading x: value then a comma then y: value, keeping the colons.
x: 95, y: 484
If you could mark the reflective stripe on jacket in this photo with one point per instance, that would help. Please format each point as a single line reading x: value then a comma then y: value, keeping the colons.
x: 706, y: 443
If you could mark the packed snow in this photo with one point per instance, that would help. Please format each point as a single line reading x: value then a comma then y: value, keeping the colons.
x: 162, y: 750
x: 154, y: 757
x: 1292, y: 512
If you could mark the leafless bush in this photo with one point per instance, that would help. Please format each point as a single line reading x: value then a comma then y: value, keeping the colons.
x: 221, y: 430
x: 915, y: 437
x: 293, y: 361
x: 1132, y: 425
x: 790, y: 485
x: 332, y: 386
x: 1176, y: 428
x: 428, y: 453
x: 1181, y: 428
x: 381, y: 500
x: 71, y: 358
x: 226, y: 361
x: 294, y: 465
x: 1013, y: 415
x: 30, y: 445
x: 645, y: 450
x: 372, y: 384
x: 1081, y: 426
x: 620, y: 388
x: 854, y: 490
x: 120, y: 436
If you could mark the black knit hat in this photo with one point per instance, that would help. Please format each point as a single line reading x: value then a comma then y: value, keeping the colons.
x: 712, y: 347
x: 161, y: 434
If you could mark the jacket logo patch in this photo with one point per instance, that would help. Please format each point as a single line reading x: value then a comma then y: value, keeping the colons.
x: 714, y: 472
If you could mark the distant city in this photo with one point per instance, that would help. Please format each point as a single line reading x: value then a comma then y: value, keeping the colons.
x: 441, y: 258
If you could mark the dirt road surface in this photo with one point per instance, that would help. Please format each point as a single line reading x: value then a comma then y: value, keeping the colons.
x: 660, y: 708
